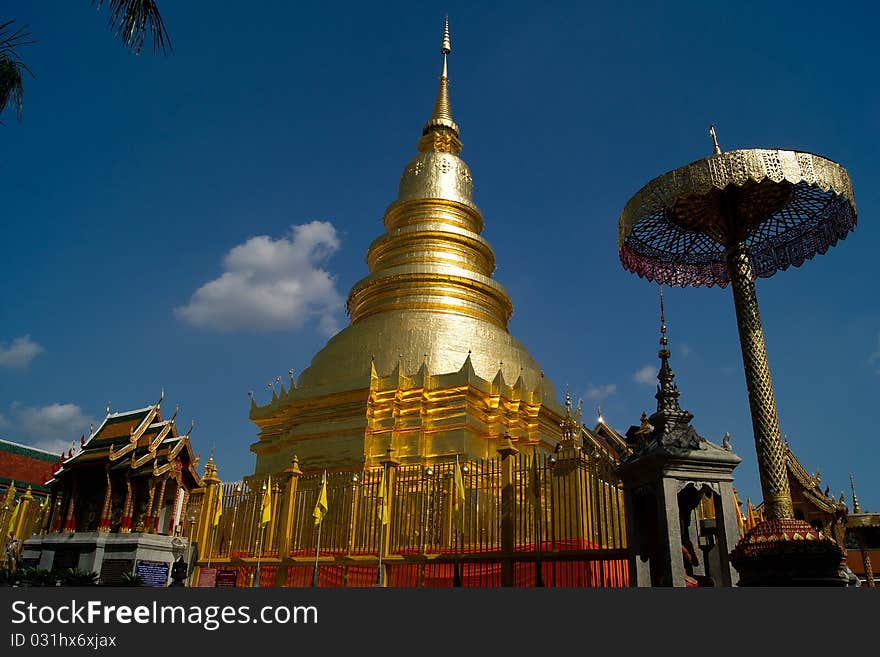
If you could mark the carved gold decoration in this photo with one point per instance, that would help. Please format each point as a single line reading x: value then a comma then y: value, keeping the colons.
x: 789, y: 207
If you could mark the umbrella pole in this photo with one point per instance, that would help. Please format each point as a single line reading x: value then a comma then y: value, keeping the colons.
x: 765, y: 422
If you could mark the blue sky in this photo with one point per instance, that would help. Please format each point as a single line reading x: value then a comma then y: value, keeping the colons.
x: 134, y: 181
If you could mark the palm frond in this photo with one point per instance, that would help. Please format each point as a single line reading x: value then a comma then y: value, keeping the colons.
x: 12, y: 67
x: 131, y: 20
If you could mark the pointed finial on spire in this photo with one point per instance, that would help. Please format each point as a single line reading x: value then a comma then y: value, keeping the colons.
x: 663, y: 340
x: 715, y: 146
x: 446, y: 45
x: 856, y: 507
x: 441, y: 117
x: 599, y: 417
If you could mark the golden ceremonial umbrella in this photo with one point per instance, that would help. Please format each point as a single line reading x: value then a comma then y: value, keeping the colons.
x: 726, y: 220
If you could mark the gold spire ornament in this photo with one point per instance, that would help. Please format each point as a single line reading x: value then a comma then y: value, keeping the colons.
x: 715, y: 147
x: 856, y: 506
x: 441, y: 118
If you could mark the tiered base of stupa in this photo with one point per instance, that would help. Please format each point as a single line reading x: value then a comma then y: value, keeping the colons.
x: 422, y: 417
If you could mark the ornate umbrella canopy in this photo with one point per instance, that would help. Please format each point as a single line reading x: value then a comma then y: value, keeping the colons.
x: 785, y: 206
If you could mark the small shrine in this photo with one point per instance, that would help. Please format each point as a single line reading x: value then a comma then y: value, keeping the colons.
x: 672, y: 474
x: 117, y: 504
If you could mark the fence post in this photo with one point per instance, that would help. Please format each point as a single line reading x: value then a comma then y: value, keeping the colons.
x: 21, y: 523
x: 211, y: 496
x: 285, y: 524
x: 392, y: 464
x: 508, y: 510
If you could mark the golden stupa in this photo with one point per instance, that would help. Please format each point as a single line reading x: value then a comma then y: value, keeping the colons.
x: 427, y: 367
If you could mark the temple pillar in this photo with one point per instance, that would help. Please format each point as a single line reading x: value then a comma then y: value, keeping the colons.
x: 70, y: 519
x: 104, y: 522
x: 148, y: 515
x: 50, y: 516
x: 508, y: 510
x: 160, y: 503
x: 58, y: 519
x: 210, y: 499
x: 726, y: 517
x: 125, y: 525
x: 672, y: 572
x: 640, y: 504
x: 390, y: 464
x: 179, y: 506
x: 286, y: 506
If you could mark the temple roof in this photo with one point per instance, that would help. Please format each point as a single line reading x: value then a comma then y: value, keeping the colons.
x: 139, y: 441
x: 809, y: 485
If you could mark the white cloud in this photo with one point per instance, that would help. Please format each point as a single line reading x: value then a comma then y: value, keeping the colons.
x: 272, y: 284
x: 600, y: 392
x: 53, y: 427
x: 685, y: 349
x: 20, y: 353
x: 646, y: 375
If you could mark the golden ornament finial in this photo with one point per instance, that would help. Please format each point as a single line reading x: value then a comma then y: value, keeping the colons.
x: 663, y: 339
x: 856, y: 506
x: 441, y: 117
x: 446, y: 45
x: 715, y: 146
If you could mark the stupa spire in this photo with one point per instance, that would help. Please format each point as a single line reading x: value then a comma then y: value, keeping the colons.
x: 441, y: 118
x: 856, y: 506
x: 671, y: 422
x: 667, y: 392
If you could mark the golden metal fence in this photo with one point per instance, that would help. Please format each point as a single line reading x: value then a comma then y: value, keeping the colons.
x: 21, y: 516
x: 525, y: 519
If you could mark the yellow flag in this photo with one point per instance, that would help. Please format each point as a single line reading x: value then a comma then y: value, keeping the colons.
x: 458, y: 499
x: 750, y: 518
x: 218, y: 511
x: 383, y: 501
x: 14, y: 517
x: 321, y: 504
x: 740, y: 520
x: 267, y: 503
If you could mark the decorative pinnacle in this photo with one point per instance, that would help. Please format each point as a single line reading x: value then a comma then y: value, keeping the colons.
x: 663, y: 340
x: 441, y: 117
x: 445, y: 46
x: 715, y: 146
x: 856, y: 507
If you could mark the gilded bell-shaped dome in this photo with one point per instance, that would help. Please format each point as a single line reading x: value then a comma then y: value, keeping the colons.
x: 429, y: 298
